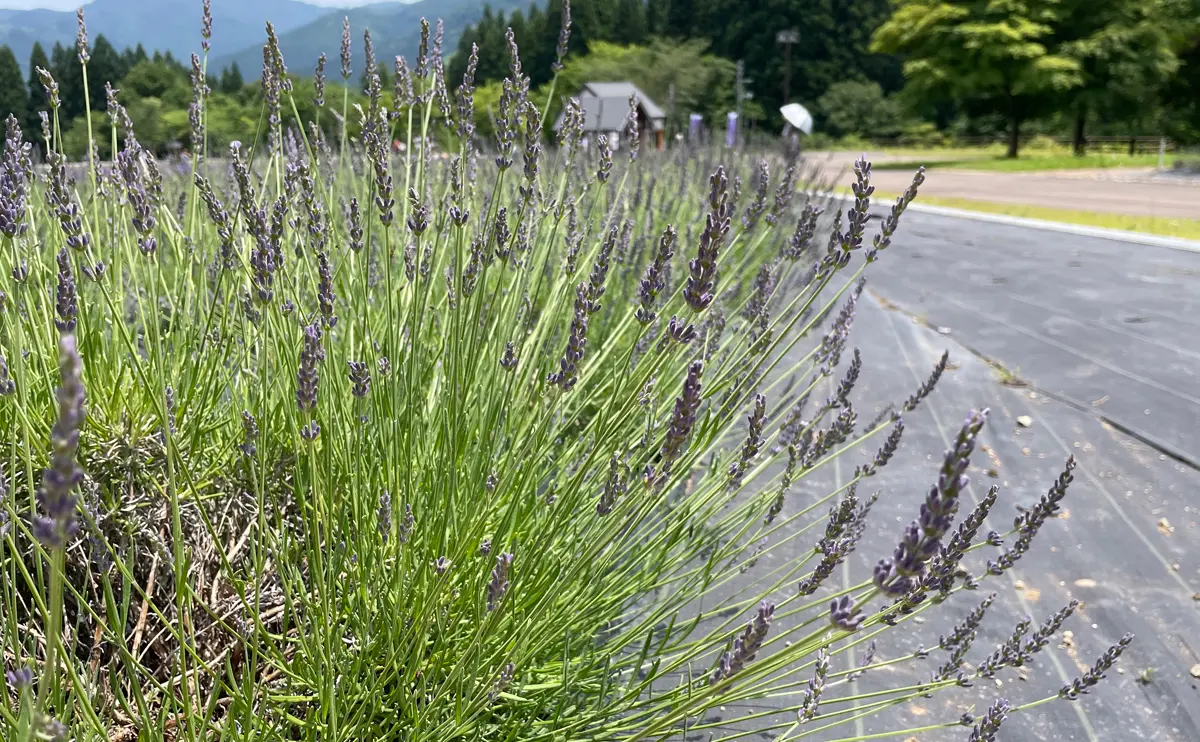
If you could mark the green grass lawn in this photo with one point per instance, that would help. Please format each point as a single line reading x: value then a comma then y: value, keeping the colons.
x: 1182, y: 228
x: 1033, y: 161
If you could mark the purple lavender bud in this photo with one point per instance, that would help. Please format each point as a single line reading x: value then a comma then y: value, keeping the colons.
x: 422, y: 70
x: 56, y: 495
x: 501, y: 234
x: 654, y: 281
x: 703, y: 268
x: 65, y: 303
x: 465, y: 97
x: 442, y: 565
x: 7, y: 385
x: 498, y: 586
x: 888, y: 228
x: 355, y: 228
x: 927, y: 387
x: 406, y: 526
x: 568, y: 373
x: 745, y: 646
x: 695, y: 121
x: 142, y: 191
x: 806, y: 227
x: 311, y: 431
x: 606, y: 159
x: 13, y: 182
x: 844, y: 615
x: 81, y: 39
x: 50, y: 86
x: 986, y: 729
x: 346, y: 70
x: 19, y: 679
x: 681, y: 331
x: 418, y: 220
x: 683, y: 419
x: 1030, y: 522
x: 856, y: 217
x: 206, y: 26
x: 384, y: 517
x: 402, y: 90
x: 360, y: 377
x: 600, y: 270
x: 509, y: 360
x: 614, y: 486
x: 631, y: 127
x: 816, y: 686
x: 754, y: 440
x: 249, y: 434
x: 319, y: 82
x: 325, y: 295
x: 564, y: 37
x: 731, y: 130
x: 307, y: 376
x: 755, y: 210
x: 1095, y: 673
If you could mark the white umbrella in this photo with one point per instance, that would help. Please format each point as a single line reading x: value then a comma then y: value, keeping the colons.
x: 798, y: 116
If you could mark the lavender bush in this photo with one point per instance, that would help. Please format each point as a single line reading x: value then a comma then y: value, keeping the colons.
x: 308, y: 440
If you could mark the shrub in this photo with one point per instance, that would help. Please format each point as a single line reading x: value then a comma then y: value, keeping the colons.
x: 345, y: 446
x: 853, y: 107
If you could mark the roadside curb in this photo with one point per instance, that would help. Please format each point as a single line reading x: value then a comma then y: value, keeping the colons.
x: 1120, y: 235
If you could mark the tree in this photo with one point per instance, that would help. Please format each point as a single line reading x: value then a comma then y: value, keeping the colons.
x: 859, y: 108
x: 104, y: 66
x: 13, y: 99
x: 64, y: 65
x: 633, y: 21
x: 1126, y: 54
x: 990, y: 57
x: 231, y: 80
x: 36, y: 93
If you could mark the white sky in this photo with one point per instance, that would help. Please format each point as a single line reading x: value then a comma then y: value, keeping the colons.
x: 73, y: 4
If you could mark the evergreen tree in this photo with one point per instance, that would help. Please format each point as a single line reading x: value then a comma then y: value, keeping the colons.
x: 104, y: 66
x: 36, y: 94
x: 633, y: 28
x: 231, y: 80
x: 658, y: 13
x: 65, y: 67
x: 13, y: 99
x: 139, y: 54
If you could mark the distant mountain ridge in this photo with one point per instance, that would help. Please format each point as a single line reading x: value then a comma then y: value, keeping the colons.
x: 166, y: 25
x: 395, y: 30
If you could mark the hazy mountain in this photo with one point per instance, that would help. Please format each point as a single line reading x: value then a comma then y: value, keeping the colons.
x: 395, y: 29
x: 167, y: 25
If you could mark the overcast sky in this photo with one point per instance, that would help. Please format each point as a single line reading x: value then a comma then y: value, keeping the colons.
x: 73, y: 4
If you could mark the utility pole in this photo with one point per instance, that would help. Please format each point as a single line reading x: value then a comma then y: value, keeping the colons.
x: 787, y: 38
x: 740, y: 85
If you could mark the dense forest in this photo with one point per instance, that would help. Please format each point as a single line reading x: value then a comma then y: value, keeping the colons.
x: 875, y: 69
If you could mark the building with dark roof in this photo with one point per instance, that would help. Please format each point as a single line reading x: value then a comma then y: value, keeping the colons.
x: 606, y: 105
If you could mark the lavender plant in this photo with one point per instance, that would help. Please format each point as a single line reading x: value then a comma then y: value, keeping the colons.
x: 392, y: 470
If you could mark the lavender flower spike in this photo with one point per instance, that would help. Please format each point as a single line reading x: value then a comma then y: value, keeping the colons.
x: 498, y: 587
x: 682, y: 419
x: 56, y: 494
x: 985, y: 730
x: 746, y: 646
x: 702, y: 279
x: 65, y: 303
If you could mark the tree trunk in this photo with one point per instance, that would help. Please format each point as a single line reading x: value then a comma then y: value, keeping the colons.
x: 1078, y: 139
x: 1014, y: 136
x: 1132, y: 145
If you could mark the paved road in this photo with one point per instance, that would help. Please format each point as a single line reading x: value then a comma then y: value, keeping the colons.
x: 1107, y: 191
